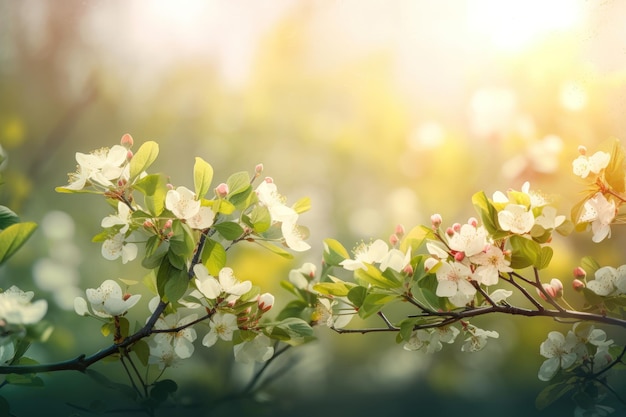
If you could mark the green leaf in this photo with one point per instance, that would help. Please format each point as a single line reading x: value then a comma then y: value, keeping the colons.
x: 544, y: 257
x: 224, y: 207
x: 591, y: 297
x: 241, y: 199
x: 524, y: 252
x: 334, y: 252
x: 171, y: 282
x: 553, y: 392
x: 373, y: 276
x: 415, y: 238
x: 156, y: 249
x: 176, y: 286
x: 26, y: 380
x: 13, y: 237
x: 293, y: 328
x: 296, y: 308
x: 162, y: 389
x: 154, y: 189
x: 260, y: 219
x: 357, y: 295
x: 374, y: 302
x: 202, y: 177
x: 275, y: 249
x: 7, y: 217
x: 590, y: 265
x: 142, y: 350
x: 213, y: 257
x: 238, y: 183
x: 302, y: 205
x: 486, y: 211
x: 143, y: 158
x: 336, y: 289
x: 229, y: 230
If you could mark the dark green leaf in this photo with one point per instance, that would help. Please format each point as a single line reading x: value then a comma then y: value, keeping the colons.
x: 13, y: 237
x: 7, y: 217
x: 551, y: 393
x: 357, y: 295
x: 229, y: 230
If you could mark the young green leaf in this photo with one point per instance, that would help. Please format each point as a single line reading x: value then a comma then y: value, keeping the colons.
x: 202, y: 177
x: 334, y: 252
x: 213, y: 257
x: 145, y: 156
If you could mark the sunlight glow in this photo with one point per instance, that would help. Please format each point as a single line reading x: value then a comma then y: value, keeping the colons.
x: 511, y: 26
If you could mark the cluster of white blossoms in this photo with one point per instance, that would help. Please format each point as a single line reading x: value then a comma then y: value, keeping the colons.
x: 108, y: 300
x: 598, y: 210
x: 467, y: 254
x: 566, y: 351
x: 377, y: 252
x: 16, y: 311
x: 185, y: 205
x: 431, y: 340
x: 102, y: 168
x: 269, y: 197
x: 609, y: 281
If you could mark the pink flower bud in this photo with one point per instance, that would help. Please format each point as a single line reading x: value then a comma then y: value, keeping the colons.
x: 579, y: 272
x: 126, y: 141
x: 582, y: 150
x: 472, y: 221
x: 578, y: 285
x: 168, y: 224
x: 557, y: 286
x: 126, y: 296
x: 266, y: 301
x: 436, y: 220
x: 148, y: 224
x: 459, y: 256
x: 269, y: 180
x: 456, y: 227
x: 169, y: 186
x: 129, y: 155
x: 221, y: 190
x: 399, y: 230
x: 408, y: 270
x: 258, y: 169
x: 393, y: 239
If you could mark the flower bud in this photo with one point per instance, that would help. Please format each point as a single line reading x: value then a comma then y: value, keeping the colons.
x: 456, y: 227
x: 221, y: 190
x: 399, y: 230
x: 408, y: 270
x: 266, y: 301
x: 472, y: 221
x: 393, y: 239
x: 168, y: 224
x: 258, y: 169
x: 148, y: 224
x: 430, y: 264
x: 582, y: 150
x: 126, y: 141
x: 170, y: 186
x: 269, y: 180
x: 129, y: 155
x: 450, y: 231
x: 459, y: 256
x: 578, y: 285
x: 557, y: 286
x: 436, y: 220
x: 579, y: 272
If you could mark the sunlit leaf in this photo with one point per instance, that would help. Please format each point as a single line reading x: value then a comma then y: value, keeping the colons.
x: 213, y: 257
x: 202, y: 177
x: 486, y: 211
x: 229, y: 230
x: 7, y: 217
x: 334, y: 252
x: 524, y: 252
x: 143, y: 158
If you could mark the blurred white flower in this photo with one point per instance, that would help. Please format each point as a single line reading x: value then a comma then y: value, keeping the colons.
x: 16, y: 307
x: 107, y: 300
x: 258, y: 349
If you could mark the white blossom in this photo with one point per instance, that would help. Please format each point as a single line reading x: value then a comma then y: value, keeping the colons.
x: 222, y: 326
x: 516, y: 218
x: 375, y: 252
x: 258, y: 349
x: 16, y: 307
x: 107, y: 300
x: 453, y: 282
x: 558, y: 352
x: 583, y: 165
x: 116, y: 246
x: 600, y: 213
